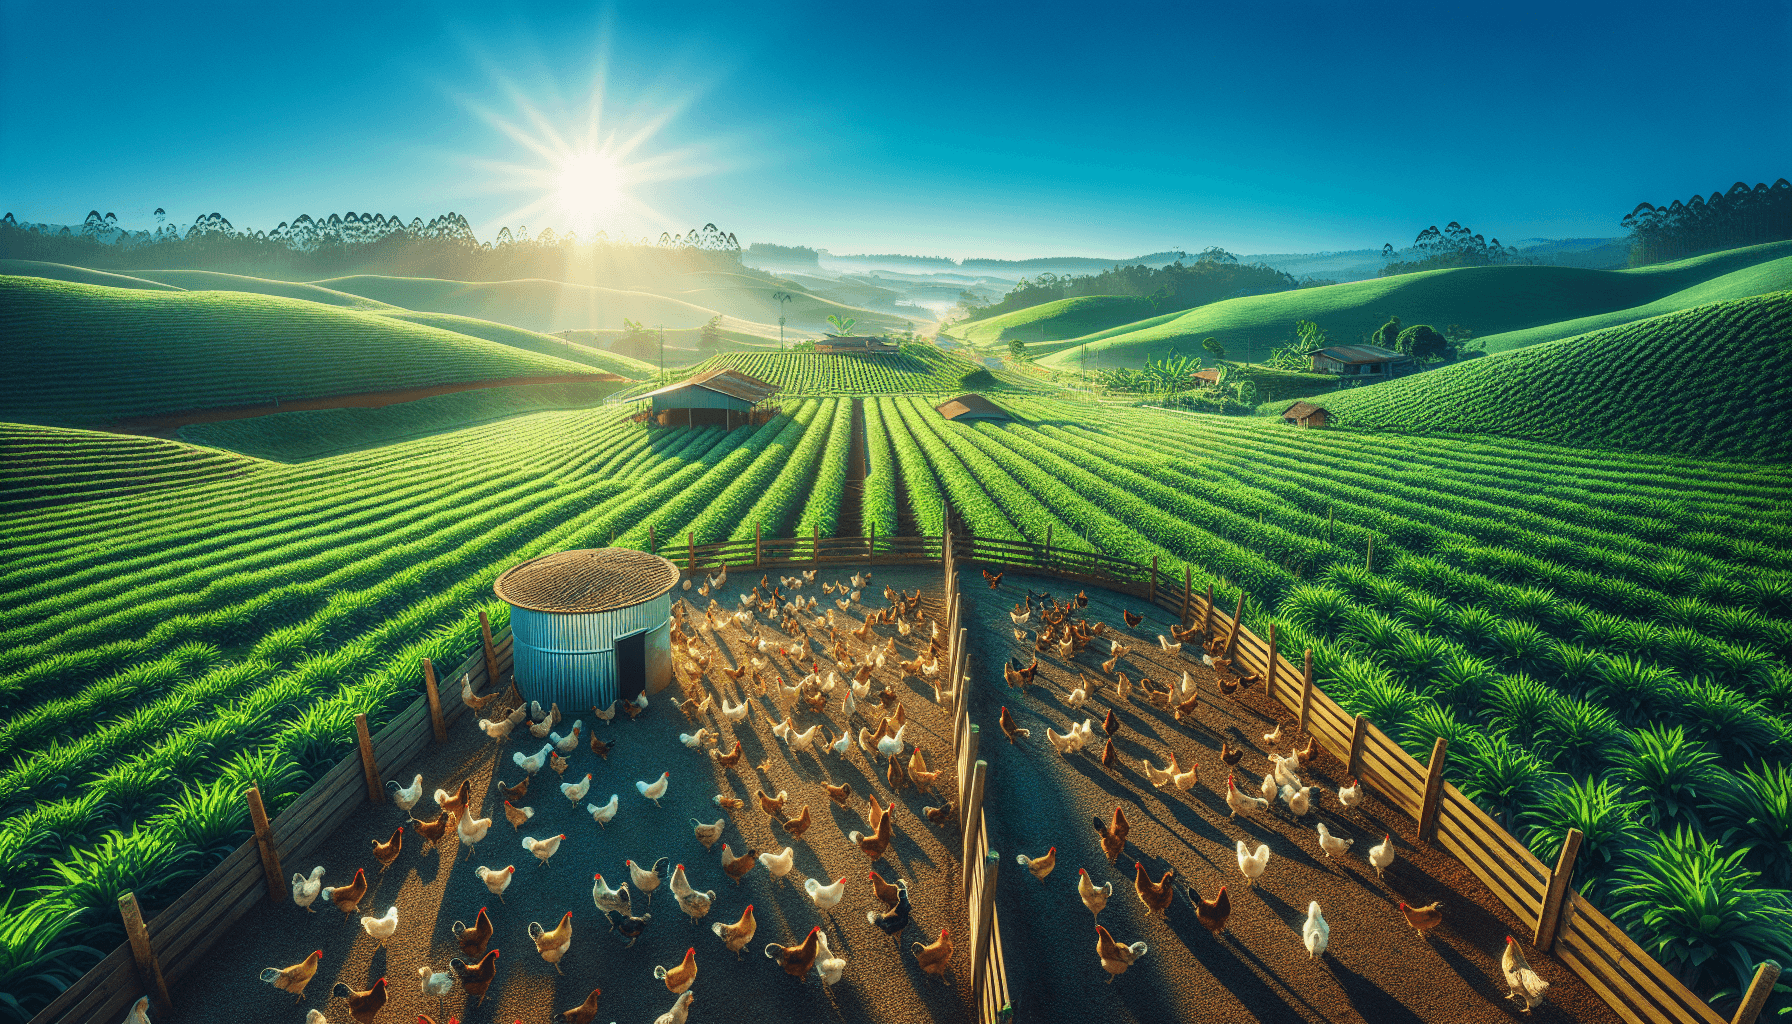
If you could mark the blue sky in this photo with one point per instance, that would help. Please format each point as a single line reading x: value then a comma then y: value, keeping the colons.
x: 1104, y: 129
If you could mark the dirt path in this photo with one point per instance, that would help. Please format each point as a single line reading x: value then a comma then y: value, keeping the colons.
x: 165, y: 424
x: 1377, y: 970
x: 881, y: 984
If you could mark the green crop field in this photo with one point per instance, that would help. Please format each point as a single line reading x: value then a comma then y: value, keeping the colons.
x: 1488, y: 300
x: 1054, y: 321
x: 79, y: 275
x: 212, y: 281
x: 1692, y: 383
x: 918, y: 369
x: 80, y: 355
x: 546, y: 344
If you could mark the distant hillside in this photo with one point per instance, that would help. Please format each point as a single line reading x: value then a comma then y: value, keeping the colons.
x: 1488, y: 300
x: 1053, y: 321
x: 545, y: 344
x: 82, y: 355
x: 917, y: 369
x: 212, y: 281
x: 1700, y: 382
x: 80, y: 275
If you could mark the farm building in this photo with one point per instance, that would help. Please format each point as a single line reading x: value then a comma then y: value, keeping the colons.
x: 1305, y: 414
x: 867, y: 344
x: 1360, y: 362
x: 723, y: 397
x: 1208, y: 377
x: 590, y: 627
x: 972, y: 407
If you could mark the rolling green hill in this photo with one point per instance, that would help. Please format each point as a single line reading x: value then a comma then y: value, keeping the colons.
x: 1699, y: 382
x: 917, y: 369
x: 81, y: 355
x: 516, y: 337
x: 80, y: 275
x: 212, y: 281
x: 1489, y: 300
x: 1055, y: 321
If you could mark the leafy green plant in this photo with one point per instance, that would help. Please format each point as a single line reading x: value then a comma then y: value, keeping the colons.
x: 1607, y: 823
x: 1754, y: 812
x: 1519, y: 706
x: 842, y: 325
x: 1581, y: 737
x: 36, y: 965
x: 1384, y: 702
x: 1668, y: 772
x: 1500, y: 776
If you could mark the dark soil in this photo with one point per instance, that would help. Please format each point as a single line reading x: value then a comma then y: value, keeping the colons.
x: 1376, y: 970
x: 882, y: 982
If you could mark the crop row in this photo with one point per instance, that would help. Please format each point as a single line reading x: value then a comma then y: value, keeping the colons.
x: 821, y: 509
x: 878, y: 511
x: 924, y: 499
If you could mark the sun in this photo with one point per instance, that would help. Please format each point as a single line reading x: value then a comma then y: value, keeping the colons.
x: 590, y: 186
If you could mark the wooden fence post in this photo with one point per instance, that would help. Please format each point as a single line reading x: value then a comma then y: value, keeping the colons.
x: 1551, y: 912
x: 1306, y: 691
x: 1759, y: 991
x: 491, y: 653
x: 758, y: 550
x: 1207, y: 613
x: 149, y: 971
x: 1359, y: 731
x: 971, y: 809
x: 1187, y: 581
x: 691, y: 539
x: 983, y: 927
x: 871, y: 544
x: 264, y: 840
x: 1269, y: 674
x: 815, y: 548
x: 1151, y: 597
x: 1434, y: 789
x: 369, y: 768
x: 435, y: 701
x: 1237, y: 624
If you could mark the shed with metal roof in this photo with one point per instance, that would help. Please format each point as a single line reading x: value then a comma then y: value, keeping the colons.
x: 723, y: 397
x: 590, y: 627
x: 1359, y: 362
x: 972, y: 407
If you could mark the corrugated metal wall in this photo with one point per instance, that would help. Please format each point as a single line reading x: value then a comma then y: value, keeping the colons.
x: 571, y: 658
x: 699, y: 398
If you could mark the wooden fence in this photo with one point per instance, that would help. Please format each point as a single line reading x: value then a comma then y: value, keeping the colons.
x: 178, y: 938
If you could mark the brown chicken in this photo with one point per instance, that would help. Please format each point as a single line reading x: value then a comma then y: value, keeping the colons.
x: 772, y: 807
x: 1230, y: 755
x: 294, y: 979
x: 874, y: 845
x: 1157, y: 895
x: 729, y: 802
x: 517, y: 815
x: 886, y: 893
x: 1213, y: 914
x: 1423, y: 919
x: 1187, y: 708
x: 457, y: 803
x: 584, y: 1013
x: 729, y: 759
x: 938, y: 815
x: 919, y: 774
x: 363, y: 1006
x: 472, y: 940
x: 934, y: 957
x: 736, y: 936
x: 796, y: 960
x: 1113, y: 837
x: 1110, y: 724
x: 1009, y: 729
x: 347, y: 898
x: 477, y: 978
x: 518, y: 791
x: 1227, y: 689
x: 737, y: 867
x: 1305, y: 753
x: 558, y: 763
x: 633, y: 709
x: 841, y: 794
x: 388, y: 851
x: 895, y: 775
x: 797, y: 825
x: 598, y: 747
x: 1131, y: 618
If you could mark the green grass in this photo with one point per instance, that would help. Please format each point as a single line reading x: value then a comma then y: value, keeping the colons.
x: 545, y: 344
x: 1055, y: 321
x: 1699, y: 382
x: 83, y: 355
x: 1488, y: 300
x: 314, y: 433
x: 916, y: 369
x: 80, y: 275
x: 212, y: 281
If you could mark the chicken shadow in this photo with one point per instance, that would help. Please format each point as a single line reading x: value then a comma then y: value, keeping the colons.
x: 1368, y: 998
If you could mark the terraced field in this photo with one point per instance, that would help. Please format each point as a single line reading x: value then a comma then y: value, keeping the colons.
x: 919, y: 369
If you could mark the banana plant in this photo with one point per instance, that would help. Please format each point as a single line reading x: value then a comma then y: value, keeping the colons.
x: 842, y: 325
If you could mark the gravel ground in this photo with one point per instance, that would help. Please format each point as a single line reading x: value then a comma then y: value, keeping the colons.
x: 1377, y: 970
x: 882, y: 982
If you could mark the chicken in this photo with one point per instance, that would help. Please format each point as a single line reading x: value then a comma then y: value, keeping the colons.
x: 363, y: 1006
x: 552, y: 945
x: 603, y: 815
x: 1131, y: 618
x: 1381, y: 855
x: 1116, y: 958
x: 1333, y: 846
x: 731, y: 803
x: 1316, y: 934
x: 1076, y: 698
x: 568, y: 743
x: 1522, y: 983
x: 294, y: 979
x: 1230, y: 755
x: 1423, y: 919
x: 841, y: 794
x: 600, y: 748
x: 875, y: 845
x: 893, y: 921
x: 796, y: 960
x: 735, y: 713
x: 1095, y: 897
x: 347, y: 898
x: 1251, y: 864
x: 736, y: 936
x: 1040, y: 866
x: 653, y: 791
x: 796, y: 826
x: 534, y: 762
x: 779, y: 864
x: 477, y: 978
x: 679, y: 978
x: 406, y: 799
x: 729, y: 759
x: 1242, y: 802
x: 517, y: 815
x: 472, y: 832
x: 681, y: 1009
x: 1113, y: 837
x: 1110, y: 754
x: 467, y: 696
x: 433, y: 830
x: 1159, y: 777
x: 585, y: 1012
x: 1298, y: 798
x: 1274, y: 737
x: 498, y: 730
x: 696, y: 740
x: 472, y: 940
x: 1213, y: 914
x: 1268, y: 788
x: 305, y: 890
x: 693, y: 902
x: 381, y: 928
x: 1157, y: 895
x: 1350, y: 795
x: 543, y: 849
x: 434, y: 983
x: 516, y: 792
x: 607, y: 899
x: 497, y: 880
x: 1110, y: 724
x: 1064, y: 744
x: 802, y: 742
x: 575, y: 791
x: 1185, y: 781
x: 630, y: 928
x: 648, y: 879
x: 894, y: 745
x: 708, y: 834
x: 825, y: 897
x: 828, y: 967
x: 1286, y: 770
x: 934, y: 957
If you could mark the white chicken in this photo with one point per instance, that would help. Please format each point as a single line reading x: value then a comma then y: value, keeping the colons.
x: 568, y: 743
x: 496, y: 880
x: 405, y: 799
x: 734, y: 713
x: 779, y: 864
x: 608, y: 899
x: 1160, y: 777
x: 1350, y: 795
x: 1316, y: 934
x: 381, y: 928
x: 680, y: 1011
x: 1065, y: 744
x: 1522, y: 984
x: 695, y: 740
x: 843, y: 745
x: 648, y: 879
x: 1274, y: 737
x: 1094, y: 897
x: 575, y: 791
x: 1241, y: 802
x: 1286, y: 770
x: 534, y: 762
x: 825, y: 897
x: 1269, y: 788
x: 1185, y: 781
x: 1298, y: 798
x: 828, y: 967
x: 1188, y: 685
x: 694, y: 902
x: 1077, y: 698
x: 498, y: 730
x: 653, y: 791
x: 893, y: 746
x: 472, y: 831
x: 1333, y: 846
x: 1164, y: 642
x: 1251, y: 864
x: 801, y: 742
x: 435, y: 983
x: 1381, y: 855
x: 603, y: 814
x: 305, y: 890
x: 543, y: 849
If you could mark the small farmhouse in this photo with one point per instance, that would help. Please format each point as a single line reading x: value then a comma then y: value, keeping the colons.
x: 1305, y: 414
x: 965, y: 408
x: 862, y: 344
x: 1210, y: 377
x: 1360, y: 362
x: 723, y: 397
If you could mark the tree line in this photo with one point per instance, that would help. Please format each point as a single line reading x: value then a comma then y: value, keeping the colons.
x: 1454, y: 246
x: 444, y: 246
x: 1727, y: 220
x: 1214, y: 275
